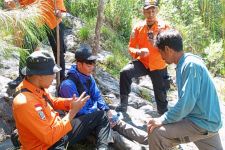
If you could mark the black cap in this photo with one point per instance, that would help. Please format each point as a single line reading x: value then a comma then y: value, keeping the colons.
x: 40, y: 63
x: 150, y: 3
x: 84, y: 53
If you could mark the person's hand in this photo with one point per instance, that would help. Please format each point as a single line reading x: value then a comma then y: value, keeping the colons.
x: 77, y: 104
x: 9, y: 4
x: 109, y: 113
x: 143, y: 52
x: 58, y: 13
x: 152, y: 124
x: 113, y: 117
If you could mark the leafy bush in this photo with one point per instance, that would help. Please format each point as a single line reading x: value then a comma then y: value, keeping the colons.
x: 120, y: 19
x: 189, y: 23
x: 198, y: 26
x: 1, y: 4
x: 84, y: 34
x: 195, y: 35
x: 106, y: 33
x: 82, y: 8
x: 115, y: 63
x: 215, y: 57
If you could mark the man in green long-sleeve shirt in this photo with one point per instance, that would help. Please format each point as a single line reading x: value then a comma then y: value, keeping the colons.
x: 196, y: 116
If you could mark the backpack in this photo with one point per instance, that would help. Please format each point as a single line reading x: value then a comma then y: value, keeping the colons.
x: 15, y: 139
x: 76, y: 80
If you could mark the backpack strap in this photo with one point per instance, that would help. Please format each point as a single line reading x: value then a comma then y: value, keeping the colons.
x: 26, y: 90
x: 48, y: 100
x: 21, y: 91
x: 79, y: 85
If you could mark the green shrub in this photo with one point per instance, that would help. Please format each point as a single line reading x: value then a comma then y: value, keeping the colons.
x: 115, y: 63
x: 120, y: 19
x: 84, y: 34
x: 215, y: 57
x: 119, y: 49
x: 119, y: 58
x: 1, y: 4
x: 78, y: 8
x: 106, y: 33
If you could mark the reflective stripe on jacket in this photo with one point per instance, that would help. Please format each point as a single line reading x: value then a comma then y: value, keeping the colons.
x: 39, y: 126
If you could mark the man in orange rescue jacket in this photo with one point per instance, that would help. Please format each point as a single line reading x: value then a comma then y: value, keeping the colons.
x: 51, y: 11
x: 39, y: 126
x: 147, y: 59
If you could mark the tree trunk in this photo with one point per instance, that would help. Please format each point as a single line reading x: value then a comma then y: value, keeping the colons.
x: 100, y: 17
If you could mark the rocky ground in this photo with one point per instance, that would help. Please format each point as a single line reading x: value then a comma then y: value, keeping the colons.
x: 141, y: 104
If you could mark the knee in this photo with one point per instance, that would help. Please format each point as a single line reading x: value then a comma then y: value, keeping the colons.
x: 154, y: 136
x: 125, y: 73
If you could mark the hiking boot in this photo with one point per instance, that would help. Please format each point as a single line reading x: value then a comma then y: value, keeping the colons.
x: 13, y: 84
x: 123, y: 104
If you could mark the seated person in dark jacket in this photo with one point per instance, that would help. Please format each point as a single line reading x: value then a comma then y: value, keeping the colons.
x: 79, y: 79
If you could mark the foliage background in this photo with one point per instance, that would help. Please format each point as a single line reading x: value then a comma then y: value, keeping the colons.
x: 201, y: 22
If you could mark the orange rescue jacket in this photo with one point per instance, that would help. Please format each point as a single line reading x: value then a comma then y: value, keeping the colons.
x: 39, y: 126
x: 48, y: 10
x: 139, y: 39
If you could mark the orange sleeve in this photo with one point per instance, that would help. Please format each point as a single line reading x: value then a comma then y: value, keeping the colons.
x: 24, y: 3
x: 62, y: 103
x: 47, y: 131
x: 133, y: 43
x: 59, y: 103
x: 60, y: 5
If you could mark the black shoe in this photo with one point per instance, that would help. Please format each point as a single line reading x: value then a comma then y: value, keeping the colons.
x: 13, y: 84
x: 123, y: 104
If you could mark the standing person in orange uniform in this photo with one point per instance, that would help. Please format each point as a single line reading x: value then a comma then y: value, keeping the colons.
x: 39, y: 126
x: 51, y: 16
x: 147, y: 59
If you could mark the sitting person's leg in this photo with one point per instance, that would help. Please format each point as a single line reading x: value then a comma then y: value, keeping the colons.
x: 131, y: 132
x: 170, y: 135
x: 212, y: 143
x: 84, y: 125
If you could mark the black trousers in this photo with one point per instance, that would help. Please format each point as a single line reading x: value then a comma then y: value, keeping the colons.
x: 159, y: 80
x: 52, y: 37
x: 84, y: 126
